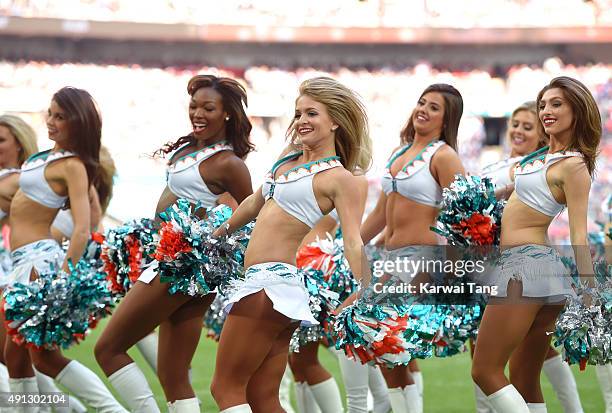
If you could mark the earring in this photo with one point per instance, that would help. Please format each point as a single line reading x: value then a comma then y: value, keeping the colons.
x: 226, y: 118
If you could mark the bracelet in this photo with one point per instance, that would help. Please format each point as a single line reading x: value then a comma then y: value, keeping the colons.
x: 226, y: 226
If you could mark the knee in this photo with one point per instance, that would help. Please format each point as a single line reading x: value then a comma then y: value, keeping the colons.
x: 479, y: 374
x: 172, y: 377
x: 216, y: 388
x: 103, y: 351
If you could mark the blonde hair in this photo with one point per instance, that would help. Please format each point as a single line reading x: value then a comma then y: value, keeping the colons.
x: 586, y: 125
x: 531, y: 107
x: 23, y: 133
x: 353, y: 144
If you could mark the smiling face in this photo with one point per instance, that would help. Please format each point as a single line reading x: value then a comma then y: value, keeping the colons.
x: 428, y: 115
x: 207, y: 114
x: 9, y: 148
x: 556, y: 114
x: 523, y: 133
x: 57, y: 125
x: 312, y: 122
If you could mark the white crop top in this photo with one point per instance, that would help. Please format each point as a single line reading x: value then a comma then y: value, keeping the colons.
x: 499, y: 172
x: 3, y: 174
x: 293, y: 191
x: 414, y: 181
x: 32, y: 180
x: 184, y: 178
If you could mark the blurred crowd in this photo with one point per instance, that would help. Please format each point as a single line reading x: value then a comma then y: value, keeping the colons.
x: 143, y: 108
x: 332, y: 13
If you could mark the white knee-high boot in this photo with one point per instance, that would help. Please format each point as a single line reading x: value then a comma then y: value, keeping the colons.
x: 508, y: 400
x: 417, y: 376
x: 537, y: 407
x: 327, y: 395
x: 243, y: 408
x: 285, y: 390
x: 482, y: 402
x: 604, y: 376
x: 184, y: 406
x: 355, y: 376
x: 378, y: 387
x: 24, y: 385
x: 560, y: 376
x: 134, y: 389
x: 148, y: 348
x: 47, y: 385
x: 4, y: 378
x: 84, y: 383
x: 305, y: 399
x: 405, y: 400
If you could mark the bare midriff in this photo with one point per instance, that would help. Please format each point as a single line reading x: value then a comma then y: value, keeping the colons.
x: 276, y: 236
x: 408, y: 223
x: 522, y: 224
x: 29, y: 220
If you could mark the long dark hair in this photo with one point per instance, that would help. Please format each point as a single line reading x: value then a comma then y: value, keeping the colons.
x: 453, y: 109
x: 586, y: 126
x: 84, y: 127
x: 234, y: 98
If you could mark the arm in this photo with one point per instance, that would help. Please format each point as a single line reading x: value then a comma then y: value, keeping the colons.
x: 166, y: 199
x: 445, y: 165
x: 576, y: 186
x: 75, y: 177
x: 95, y: 208
x: 246, y: 212
x: 236, y: 178
x: 350, y: 204
x: 376, y: 220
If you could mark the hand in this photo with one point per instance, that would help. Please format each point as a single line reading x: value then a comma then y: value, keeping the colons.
x: 223, y: 230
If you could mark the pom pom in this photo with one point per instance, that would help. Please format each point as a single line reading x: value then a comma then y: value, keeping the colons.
x: 585, y: 333
x: 126, y: 250
x: 190, y: 259
x: 215, y: 317
x: 470, y: 214
x: 57, y: 309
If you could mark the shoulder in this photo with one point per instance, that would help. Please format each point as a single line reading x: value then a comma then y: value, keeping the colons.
x: 445, y: 154
x: 574, y: 168
x: 229, y: 160
x: 73, y: 165
x: 340, y: 179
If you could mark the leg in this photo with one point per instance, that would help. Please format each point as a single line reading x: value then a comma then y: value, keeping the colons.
x: 304, y: 398
x: 140, y: 312
x: 248, y: 335
x: 179, y: 336
x: 527, y: 359
x: 604, y: 376
x: 148, y: 347
x: 380, y: 392
x: 355, y: 377
x: 306, y: 365
x: 417, y: 376
x: 262, y: 389
x: 403, y: 392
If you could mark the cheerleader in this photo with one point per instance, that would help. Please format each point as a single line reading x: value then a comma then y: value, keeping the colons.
x: 408, y: 206
x: 330, y: 129
x: 49, y: 181
x: 530, y: 273
x: 100, y: 195
x: 316, y: 390
x: 525, y: 138
x: 207, y: 163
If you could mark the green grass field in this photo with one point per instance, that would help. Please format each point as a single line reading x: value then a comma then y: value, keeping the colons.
x: 448, y: 385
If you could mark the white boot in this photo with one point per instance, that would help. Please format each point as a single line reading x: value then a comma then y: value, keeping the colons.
x: 398, y: 402
x: 413, y: 400
x: 285, y: 390
x: 417, y: 376
x: 148, y: 348
x: 604, y: 376
x: 508, y: 400
x: 134, y: 389
x: 560, y: 376
x: 327, y: 395
x: 4, y: 378
x: 408, y: 402
x: 184, y: 406
x: 378, y: 387
x: 482, y: 402
x: 84, y: 383
x: 537, y: 407
x: 355, y: 376
x: 305, y: 399
x: 243, y: 408
x: 24, y: 385
x: 47, y: 385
